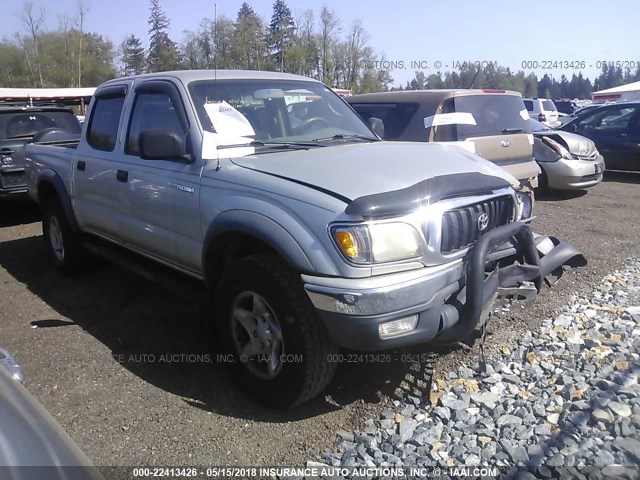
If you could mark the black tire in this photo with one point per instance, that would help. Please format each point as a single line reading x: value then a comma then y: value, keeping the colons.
x: 63, y: 245
x: 306, y: 344
x: 543, y: 182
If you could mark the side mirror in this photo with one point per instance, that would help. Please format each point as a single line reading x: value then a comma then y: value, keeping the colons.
x: 162, y: 144
x: 376, y: 125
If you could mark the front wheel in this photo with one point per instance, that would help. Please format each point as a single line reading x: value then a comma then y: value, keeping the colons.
x: 280, y: 348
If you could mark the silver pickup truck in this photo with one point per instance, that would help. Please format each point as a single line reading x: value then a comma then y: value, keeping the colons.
x: 310, y: 233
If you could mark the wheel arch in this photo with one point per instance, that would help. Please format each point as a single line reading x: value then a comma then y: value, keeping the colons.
x: 50, y: 185
x: 238, y: 234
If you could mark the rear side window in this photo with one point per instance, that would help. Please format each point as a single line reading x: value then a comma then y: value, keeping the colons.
x: 103, y: 125
x: 493, y: 115
x: 548, y: 106
x: 395, y: 116
x: 528, y: 105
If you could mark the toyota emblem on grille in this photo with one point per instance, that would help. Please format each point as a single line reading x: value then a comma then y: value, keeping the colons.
x: 483, y: 221
x: 505, y: 143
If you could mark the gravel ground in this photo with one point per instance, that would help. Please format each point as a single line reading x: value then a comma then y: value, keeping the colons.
x: 86, y: 345
x: 564, y: 400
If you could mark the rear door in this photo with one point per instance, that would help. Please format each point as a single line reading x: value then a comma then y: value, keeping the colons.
x: 94, y: 171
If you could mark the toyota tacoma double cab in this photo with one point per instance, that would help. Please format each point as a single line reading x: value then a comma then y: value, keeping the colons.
x: 310, y: 233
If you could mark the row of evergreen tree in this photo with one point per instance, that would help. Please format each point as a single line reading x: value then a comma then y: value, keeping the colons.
x: 322, y: 47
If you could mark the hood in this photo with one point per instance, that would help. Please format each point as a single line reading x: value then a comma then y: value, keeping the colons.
x: 356, y: 170
x: 576, y: 144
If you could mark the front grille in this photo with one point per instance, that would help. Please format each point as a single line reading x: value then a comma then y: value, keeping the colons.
x: 589, y: 178
x: 460, y: 226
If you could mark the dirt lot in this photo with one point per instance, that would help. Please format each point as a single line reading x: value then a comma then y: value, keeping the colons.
x: 99, y: 351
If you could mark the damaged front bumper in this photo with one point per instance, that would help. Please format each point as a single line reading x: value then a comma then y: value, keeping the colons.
x: 441, y: 304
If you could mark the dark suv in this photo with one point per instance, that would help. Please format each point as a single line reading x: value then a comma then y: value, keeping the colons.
x: 20, y: 125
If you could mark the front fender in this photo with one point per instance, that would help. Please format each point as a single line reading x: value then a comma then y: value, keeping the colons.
x: 261, y: 227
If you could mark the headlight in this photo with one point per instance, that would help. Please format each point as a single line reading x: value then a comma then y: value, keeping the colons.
x: 377, y: 243
x: 525, y: 205
x: 560, y: 150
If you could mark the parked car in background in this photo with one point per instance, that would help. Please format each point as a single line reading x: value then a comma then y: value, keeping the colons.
x: 490, y: 123
x: 543, y: 110
x: 615, y: 130
x: 577, y: 163
x: 31, y: 437
x: 20, y: 125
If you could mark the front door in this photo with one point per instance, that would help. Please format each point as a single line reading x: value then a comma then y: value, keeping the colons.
x: 158, y: 200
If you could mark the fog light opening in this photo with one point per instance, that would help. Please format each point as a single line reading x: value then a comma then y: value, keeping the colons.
x: 398, y: 327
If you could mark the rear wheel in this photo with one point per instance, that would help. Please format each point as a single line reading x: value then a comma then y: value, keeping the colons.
x: 269, y: 325
x: 64, y: 246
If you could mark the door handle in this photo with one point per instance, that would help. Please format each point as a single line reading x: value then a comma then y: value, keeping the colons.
x: 81, y: 165
x: 122, y: 176
x: 6, y: 151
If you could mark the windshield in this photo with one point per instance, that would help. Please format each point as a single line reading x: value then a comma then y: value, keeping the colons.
x: 492, y: 115
x: 268, y: 112
x: 27, y: 124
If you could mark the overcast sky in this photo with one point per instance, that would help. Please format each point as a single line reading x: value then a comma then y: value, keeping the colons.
x: 406, y: 31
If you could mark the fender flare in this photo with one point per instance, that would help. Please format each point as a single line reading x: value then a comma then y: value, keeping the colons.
x: 53, y: 179
x: 262, y: 228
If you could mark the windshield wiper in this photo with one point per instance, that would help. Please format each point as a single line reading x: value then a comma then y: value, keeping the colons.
x: 349, y: 136
x: 513, y: 130
x: 269, y: 144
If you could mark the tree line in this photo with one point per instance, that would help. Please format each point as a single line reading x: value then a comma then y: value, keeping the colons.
x: 314, y: 44
x: 494, y: 76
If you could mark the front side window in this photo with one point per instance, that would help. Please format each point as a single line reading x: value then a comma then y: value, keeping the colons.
x: 103, y: 125
x: 607, y: 119
x: 152, y: 110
